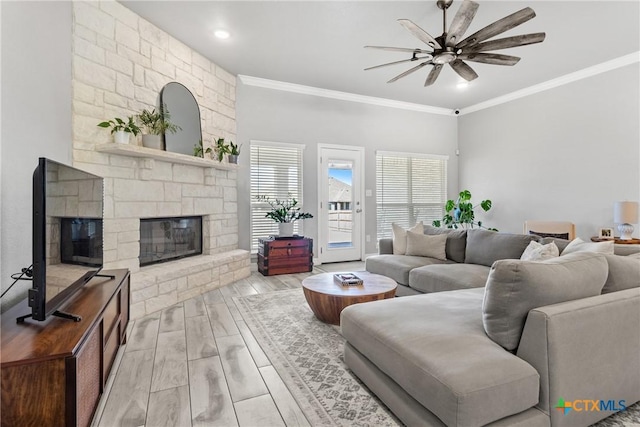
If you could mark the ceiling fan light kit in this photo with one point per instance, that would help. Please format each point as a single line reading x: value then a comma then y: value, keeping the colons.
x: 450, y: 48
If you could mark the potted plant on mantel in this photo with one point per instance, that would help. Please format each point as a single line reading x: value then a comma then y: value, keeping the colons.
x: 460, y: 213
x: 232, y: 150
x: 200, y: 151
x: 121, y: 129
x: 285, y: 213
x: 155, y: 124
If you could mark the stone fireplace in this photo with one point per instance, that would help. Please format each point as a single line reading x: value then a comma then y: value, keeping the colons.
x: 120, y: 64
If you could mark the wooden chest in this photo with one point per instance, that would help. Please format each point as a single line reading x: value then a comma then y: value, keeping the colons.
x: 285, y: 255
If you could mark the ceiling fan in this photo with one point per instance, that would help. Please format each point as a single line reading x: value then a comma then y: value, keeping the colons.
x: 450, y: 48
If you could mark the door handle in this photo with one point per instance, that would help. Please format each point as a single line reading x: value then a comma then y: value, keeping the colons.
x: 358, y: 210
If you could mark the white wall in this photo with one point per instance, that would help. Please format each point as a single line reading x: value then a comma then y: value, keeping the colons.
x: 565, y: 154
x: 36, y: 117
x: 271, y: 115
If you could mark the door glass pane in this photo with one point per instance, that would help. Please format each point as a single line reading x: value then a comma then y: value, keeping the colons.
x: 340, y: 204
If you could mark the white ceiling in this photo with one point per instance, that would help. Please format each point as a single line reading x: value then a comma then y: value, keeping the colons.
x: 320, y: 43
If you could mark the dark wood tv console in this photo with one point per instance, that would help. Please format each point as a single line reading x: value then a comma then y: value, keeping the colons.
x: 54, y: 372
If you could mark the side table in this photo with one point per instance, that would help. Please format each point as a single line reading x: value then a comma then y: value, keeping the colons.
x: 285, y: 255
x: 617, y: 241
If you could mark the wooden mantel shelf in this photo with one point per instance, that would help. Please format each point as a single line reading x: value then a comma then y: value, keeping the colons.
x: 165, y: 156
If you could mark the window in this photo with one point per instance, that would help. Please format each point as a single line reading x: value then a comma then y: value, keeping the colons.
x: 410, y: 188
x: 276, y: 172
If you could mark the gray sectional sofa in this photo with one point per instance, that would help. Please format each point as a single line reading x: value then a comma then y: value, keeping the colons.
x: 469, y: 257
x: 506, y: 351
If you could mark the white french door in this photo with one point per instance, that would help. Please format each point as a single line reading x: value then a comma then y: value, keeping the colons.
x: 340, y: 203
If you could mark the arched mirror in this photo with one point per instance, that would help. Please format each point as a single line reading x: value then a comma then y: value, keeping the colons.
x: 183, y: 109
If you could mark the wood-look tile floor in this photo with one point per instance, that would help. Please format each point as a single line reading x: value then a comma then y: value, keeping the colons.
x: 197, y: 364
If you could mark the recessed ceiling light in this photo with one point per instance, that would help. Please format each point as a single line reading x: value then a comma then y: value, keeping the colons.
x: 462, y: 85
x: 222, y: 34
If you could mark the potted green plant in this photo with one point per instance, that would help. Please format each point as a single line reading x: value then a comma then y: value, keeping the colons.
x: 121, y: 129
x: 154, y: 125
x: 460, y: 213
x: 221, y: 148
x: 285, y: 213
x: 234, y: 152
x: 200, y: 151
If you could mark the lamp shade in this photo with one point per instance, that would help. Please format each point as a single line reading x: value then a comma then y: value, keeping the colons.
x: 625, y: 212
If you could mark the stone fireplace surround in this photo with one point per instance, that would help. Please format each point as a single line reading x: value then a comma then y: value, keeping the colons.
x: 158, y: 185
x: 120, y: 62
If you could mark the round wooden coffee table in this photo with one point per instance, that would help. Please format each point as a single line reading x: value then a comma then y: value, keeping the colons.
x: 327, y: 298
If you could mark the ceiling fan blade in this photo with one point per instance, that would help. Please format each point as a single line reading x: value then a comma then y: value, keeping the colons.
x: 399, y: 49
x: 419, y: 33
x: 461, y: 22
x: 490, y: 58
x: 433, y: 75
x: 506, y: 43
x: 499, y: 27
x: 409, y: 71
x: 397, y: 62
x: 463, y: 70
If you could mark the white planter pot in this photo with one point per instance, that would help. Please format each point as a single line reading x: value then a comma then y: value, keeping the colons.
x: 285, y: 229
x: 152, y: 141
x: 121, y: 137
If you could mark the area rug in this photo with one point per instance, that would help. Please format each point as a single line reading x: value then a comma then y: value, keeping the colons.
x: 307, y: 354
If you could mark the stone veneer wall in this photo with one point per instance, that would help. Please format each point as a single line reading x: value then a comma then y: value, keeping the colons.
x: 120, y: 64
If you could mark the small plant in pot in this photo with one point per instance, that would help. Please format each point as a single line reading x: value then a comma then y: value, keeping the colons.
x: 460, y: 213
x: 200, y: 151
x: 234, y: 152
x: 154, y: 125
x: 221, y: 148
x: 121, y: 129
x: 285, y: 213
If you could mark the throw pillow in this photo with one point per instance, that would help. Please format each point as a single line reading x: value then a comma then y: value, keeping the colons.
x: 560, y: 243
x: 579, y: 245
x: 419, y: 244
x: 400, y: 237
x: 539, y: 252
x: 624, y: 273
x: 456, y: 241
x: 515, y: 287
x: 564, y: 236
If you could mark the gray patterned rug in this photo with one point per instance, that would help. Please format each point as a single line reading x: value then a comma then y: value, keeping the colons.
x: 307, y: 354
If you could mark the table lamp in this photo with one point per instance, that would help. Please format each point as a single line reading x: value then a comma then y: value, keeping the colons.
x: 625, y: 214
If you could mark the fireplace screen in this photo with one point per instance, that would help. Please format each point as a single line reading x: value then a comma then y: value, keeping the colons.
x: 165, y: 239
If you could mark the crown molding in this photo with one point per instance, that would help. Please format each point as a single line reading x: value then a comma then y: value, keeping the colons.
x: 613, y: 64
x: 343, y: 96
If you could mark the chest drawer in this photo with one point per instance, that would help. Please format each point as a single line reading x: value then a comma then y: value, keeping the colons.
x: 284, y: 256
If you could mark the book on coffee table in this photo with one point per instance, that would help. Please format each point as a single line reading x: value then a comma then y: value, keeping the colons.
x: 347, y: 279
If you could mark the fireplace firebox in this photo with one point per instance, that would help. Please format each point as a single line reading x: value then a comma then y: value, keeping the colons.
x: 166, y: 239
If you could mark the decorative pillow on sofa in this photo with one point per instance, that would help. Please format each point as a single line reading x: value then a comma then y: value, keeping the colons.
x: 560, y: 243
x: 485, y: 247
x: 624, y: 273
x: 400, y: 237
x: 420, y: 244
x: 456, y: 241
x: 579, y: 245
x: 515, y: 287
x: 539, y: 252
x: 564, y: 236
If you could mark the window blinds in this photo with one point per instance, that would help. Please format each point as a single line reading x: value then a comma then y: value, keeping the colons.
x: 410, y: 188
x: 276, y: 172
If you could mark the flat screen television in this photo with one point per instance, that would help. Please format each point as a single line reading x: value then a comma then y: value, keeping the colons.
x: 67, y: 236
